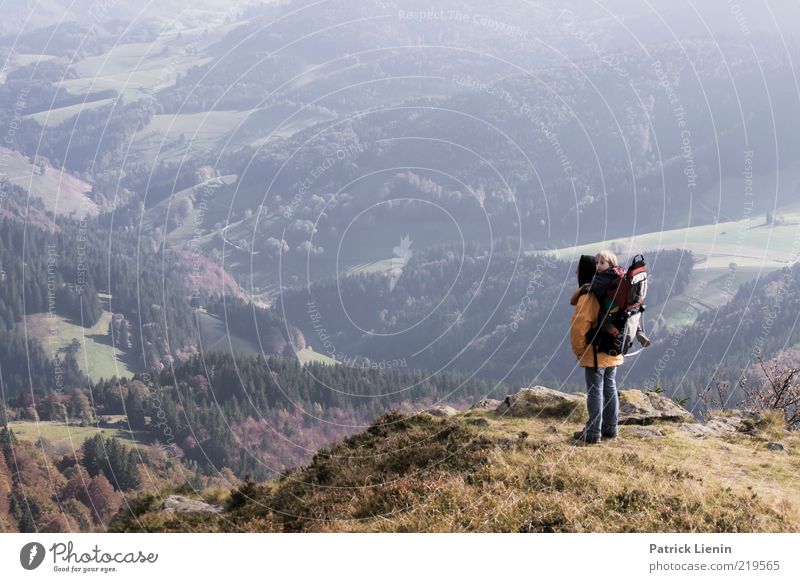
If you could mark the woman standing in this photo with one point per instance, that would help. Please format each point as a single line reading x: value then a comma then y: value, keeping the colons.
x: 601, y: 388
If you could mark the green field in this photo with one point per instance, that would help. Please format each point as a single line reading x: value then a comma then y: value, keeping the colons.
x: 727, y: 254
x: 271, y: 122
x: 67, y: 438
x: 214, y: 336
x: 97, y: 358
x: 24, y: 59
x: 748, y: 243
x: 172, y: 136
x: 308, y: 355
x: 54, y: 117
x: 208, y: 204
x: 61, y: 192
x: 135, y: 70
x: 17, y: 60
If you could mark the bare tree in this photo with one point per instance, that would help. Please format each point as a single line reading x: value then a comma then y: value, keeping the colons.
x: 780, y: 390
x: 716, y: 397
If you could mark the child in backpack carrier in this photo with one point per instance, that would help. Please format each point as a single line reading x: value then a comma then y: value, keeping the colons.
x: 600, y: 367
x: 621, y: 294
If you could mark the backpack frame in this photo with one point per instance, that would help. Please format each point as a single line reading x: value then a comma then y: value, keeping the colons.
x: 621, y: 297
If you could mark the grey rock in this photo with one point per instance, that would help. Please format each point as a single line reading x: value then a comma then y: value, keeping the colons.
x: 714, y: 427
x: 776, y: 447
x: 183, y: 504
x: 722, y: 424
x: 696, y: 429
x: 486, y: 404
x: 538, y: 402
x: 442, y: 411
x: 743, y: 420
x: 552, y: 429
x: 479, y: 422
x: 637, y: 407
x: 647, y: 432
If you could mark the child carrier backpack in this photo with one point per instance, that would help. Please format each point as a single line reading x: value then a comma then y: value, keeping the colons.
x: 621, y: 296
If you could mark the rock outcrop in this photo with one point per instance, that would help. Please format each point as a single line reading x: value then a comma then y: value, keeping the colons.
x: 183, y: 504
x: 539, y: 401
x: 637, y: 407
x: 725, y: 423
x: 441, y: 411
x: 486, y: 404
x: 647, y: 432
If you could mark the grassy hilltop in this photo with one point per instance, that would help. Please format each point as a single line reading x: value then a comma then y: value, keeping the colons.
x: 483, y: 470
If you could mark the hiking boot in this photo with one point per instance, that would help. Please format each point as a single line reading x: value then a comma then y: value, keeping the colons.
x: 610, y: 437
x: 584, y: 438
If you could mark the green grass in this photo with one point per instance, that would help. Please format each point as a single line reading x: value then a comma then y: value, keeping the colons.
x: 754, y: 248
x: 18, y: 60
x: 215, y: 193
x: 54, y: 117
x: 66, y: 438
x: 380, y: 266
x: 134, y: 70
x: 23, y: 59
x: 748, y: 243
x: 96, y: 357
x: 709, y: 289
x: 308, y: 355
x: 214, y: 337
x: 61, y: 192
x: 201, y: 132
x: 275, y: 121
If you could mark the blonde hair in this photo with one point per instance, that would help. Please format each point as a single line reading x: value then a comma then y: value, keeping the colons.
x: 608, y: 256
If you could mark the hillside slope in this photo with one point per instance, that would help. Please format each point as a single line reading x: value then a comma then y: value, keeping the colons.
x: 518, y: 470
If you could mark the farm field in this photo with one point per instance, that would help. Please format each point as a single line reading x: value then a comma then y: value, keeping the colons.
x: 60, y: 192
x: 308, y: 355
x: 67, y: 438
x: 214, y: 336
x: 96, y: 357
x: 727, y: 254
x: 748, y: 243
x: 207, y: 203
x: 134, y: 70
x: 173, y: 136
x: 271, y: 122
x: 54, y: 117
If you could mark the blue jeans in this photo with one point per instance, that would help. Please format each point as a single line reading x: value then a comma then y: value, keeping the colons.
x: 602, y: 401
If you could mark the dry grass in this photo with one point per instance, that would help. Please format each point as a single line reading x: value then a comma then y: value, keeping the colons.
x: 412, y: 474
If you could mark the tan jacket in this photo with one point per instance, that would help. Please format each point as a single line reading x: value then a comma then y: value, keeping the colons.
x: 587, y: 308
